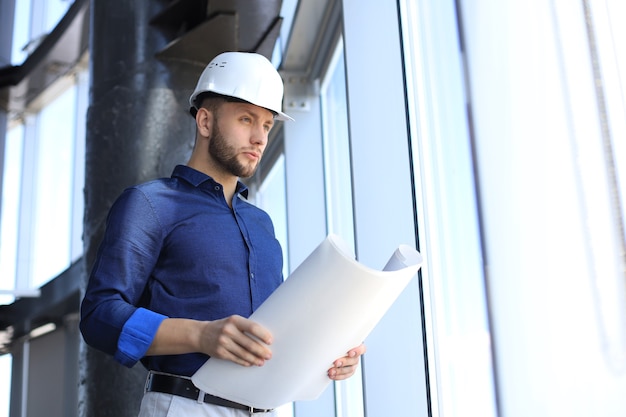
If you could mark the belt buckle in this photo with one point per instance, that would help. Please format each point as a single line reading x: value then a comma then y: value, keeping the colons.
x: 148, y: 382
x: 254, y: 411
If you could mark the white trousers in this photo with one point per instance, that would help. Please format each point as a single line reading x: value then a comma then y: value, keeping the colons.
x: 157, y: 404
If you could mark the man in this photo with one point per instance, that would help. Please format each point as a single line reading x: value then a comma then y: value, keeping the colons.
x: 185, y: 260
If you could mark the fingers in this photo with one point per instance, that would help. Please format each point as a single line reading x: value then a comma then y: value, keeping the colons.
x: 358, y: 351
x: 346, y: 366
x: 238, y: 340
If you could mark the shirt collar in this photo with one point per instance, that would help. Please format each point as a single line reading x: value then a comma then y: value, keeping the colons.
x: 195, y: 178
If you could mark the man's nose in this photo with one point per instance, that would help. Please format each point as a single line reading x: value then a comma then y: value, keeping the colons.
x: 259, y: 135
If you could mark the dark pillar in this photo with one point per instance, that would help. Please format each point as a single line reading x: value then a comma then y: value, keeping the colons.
x: 138, y: 128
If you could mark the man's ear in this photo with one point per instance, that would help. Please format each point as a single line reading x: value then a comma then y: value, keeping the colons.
x: 204, y: 122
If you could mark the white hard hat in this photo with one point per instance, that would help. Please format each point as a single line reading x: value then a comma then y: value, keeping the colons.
x: 243, y: 75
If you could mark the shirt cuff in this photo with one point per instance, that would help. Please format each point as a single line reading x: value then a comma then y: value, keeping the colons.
x: 137, y: 335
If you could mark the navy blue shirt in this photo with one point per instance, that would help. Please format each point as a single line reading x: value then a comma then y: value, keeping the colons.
x: 174, y: 248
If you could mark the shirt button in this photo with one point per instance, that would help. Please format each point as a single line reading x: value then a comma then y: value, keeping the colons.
x: 217, y: 188
x: 252, y: 275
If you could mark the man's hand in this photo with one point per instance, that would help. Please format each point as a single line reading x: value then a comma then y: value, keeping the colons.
x: 236, y: 339
x: 345, y: 367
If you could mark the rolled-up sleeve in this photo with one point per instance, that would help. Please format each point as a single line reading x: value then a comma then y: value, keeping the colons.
x: 137, y: 335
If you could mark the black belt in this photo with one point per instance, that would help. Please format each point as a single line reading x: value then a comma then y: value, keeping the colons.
x: 183, y: 387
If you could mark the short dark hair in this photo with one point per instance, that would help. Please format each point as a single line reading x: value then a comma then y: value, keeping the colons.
x: 211, y: 101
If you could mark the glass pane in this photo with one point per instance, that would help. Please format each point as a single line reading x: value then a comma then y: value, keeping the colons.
x: 55, y: 10
x: 34, y: 19
x: 5, y: 384
x: 10, y: 210
x: 338, y: 177
x: 52, y: 212
x: 21, y: 32
x: 457, y: 328
x: 272, y: 198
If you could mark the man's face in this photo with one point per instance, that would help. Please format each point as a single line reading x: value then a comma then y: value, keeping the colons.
x: 239, y: 136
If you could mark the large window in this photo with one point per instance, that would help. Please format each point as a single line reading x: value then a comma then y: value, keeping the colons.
x: 41, y: 217
x: 42, y: 192
x: 461, y: 374
x: 42, y: 181
x: 42, y: 196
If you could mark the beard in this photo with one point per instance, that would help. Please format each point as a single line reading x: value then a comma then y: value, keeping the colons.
x: 226, y: 156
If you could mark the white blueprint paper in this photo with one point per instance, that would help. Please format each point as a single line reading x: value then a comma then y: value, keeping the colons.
x: 327, y: 306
